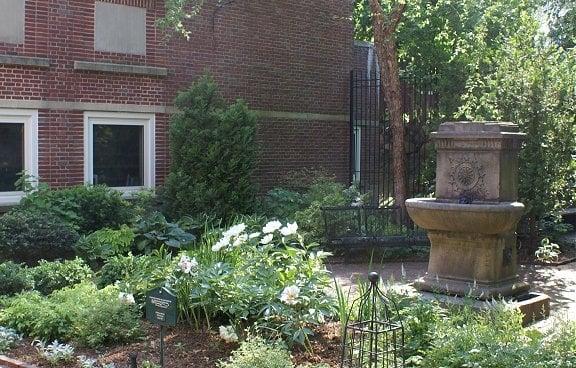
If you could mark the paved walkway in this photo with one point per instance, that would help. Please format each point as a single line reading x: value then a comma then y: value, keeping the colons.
x: 558, y: 282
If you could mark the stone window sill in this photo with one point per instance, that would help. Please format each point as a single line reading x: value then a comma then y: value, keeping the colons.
x: 120, y: 68
x: 24, y: 61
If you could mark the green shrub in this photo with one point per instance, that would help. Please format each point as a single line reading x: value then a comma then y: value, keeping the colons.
x: 34, y: 315
x: 28, y: 236
x: 283, y: 204
x: 323, y: 193
x: 87, y: 208
x: 14, y: 278
x: 81, y: 314
x: 213, y: 152
x: 256, y: 353
x: 496, y: 338
x: 105, y: 243
x: 52, y: 276
x: 100, y: 319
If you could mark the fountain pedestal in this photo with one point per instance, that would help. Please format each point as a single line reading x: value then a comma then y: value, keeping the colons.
x: 472, y: 222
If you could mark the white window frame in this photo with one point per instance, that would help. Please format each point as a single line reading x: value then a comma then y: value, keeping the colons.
x: 147, y: 121
x: 30, y: 120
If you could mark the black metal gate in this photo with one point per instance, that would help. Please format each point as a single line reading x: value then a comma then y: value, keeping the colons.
x: 371, y: 145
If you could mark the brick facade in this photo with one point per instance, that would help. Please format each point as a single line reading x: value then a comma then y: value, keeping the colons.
x: 290, y: 60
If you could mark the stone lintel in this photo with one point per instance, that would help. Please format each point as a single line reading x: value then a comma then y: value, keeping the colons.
x: 120, y: 68
x: 37, y: 62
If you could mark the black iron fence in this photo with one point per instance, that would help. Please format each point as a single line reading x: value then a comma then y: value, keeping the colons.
x: 371, y: 225
x: 371, y: 166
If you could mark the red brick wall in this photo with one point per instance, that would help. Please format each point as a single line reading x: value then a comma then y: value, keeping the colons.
x: 287, y: 55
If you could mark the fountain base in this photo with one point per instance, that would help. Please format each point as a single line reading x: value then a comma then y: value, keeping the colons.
x: 475, y: 290
x: 533, y: 306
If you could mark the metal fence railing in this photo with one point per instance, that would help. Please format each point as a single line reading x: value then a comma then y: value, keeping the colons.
x: 370, y: 225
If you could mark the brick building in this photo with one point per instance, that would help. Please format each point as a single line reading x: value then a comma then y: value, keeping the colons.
x: 86, y: 86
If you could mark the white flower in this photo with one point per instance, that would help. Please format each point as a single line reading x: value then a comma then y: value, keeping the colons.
x: 239, y: 240
x: 267, y: 239
x: 290, y: 295
x: 222, y: 243
x: 271, y: 227
x: 126, y: 298
x: 234, y: 231
x: 228, y: 334
x: 187, y: 265
x: 289, y: 229
x: 254, y: 235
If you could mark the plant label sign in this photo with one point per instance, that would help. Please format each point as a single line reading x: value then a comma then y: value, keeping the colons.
x: 161, y: 307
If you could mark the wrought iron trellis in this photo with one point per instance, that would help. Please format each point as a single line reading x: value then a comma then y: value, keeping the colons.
x: 374, y: 337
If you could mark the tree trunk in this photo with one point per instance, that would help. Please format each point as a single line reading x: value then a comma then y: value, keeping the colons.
x: 384, y: 26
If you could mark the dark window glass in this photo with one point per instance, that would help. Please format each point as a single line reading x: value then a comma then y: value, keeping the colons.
x: 119, y: 155
x: 11, y: 155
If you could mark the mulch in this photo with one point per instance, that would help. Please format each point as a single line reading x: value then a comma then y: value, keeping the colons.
x: 187, y: 347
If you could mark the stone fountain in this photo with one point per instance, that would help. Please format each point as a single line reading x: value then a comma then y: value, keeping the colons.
x: 472, y: 221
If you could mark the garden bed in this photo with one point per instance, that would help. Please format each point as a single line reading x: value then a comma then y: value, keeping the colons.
x: 185, y: 347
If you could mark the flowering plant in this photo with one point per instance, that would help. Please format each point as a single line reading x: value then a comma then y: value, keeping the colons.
x: 262, y: 278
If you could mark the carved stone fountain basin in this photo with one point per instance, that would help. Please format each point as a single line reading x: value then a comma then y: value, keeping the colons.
x: 481, y: 218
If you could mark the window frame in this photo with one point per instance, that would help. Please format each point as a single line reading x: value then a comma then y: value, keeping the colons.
x: 29, y: 118
x: 147, y: 121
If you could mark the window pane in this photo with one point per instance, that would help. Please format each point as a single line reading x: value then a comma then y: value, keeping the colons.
x: 119, y: 155
x: 11, y: 155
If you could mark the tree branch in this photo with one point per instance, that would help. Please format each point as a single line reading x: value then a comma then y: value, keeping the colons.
x: 396, y: 15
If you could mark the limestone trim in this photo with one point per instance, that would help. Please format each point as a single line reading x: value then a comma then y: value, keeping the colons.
x: 120, y: 68
x: 159, y: 109
x: 37, y: 62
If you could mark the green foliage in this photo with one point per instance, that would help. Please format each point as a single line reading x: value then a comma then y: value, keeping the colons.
x: 532, y: 84
x: 81, y: 314
x: 439, y: 41
x: 28, y: 236
x: 87, y: 208
x: 14, y: 278
x: 213, y: 151
x: 495, y: 338
x: 563, y: 22
x: 8, y: 339
x: 324, y: 193
x: 257, y: 353
x: 548, y: 252
x: 55, y: 353
x: 155, y: 231
x: 136, y: 274
x: 283, y: 203
x: 52, y: 276
x: 105, y: 243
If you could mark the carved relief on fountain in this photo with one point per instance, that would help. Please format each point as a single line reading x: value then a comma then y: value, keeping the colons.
x: 466, y: 176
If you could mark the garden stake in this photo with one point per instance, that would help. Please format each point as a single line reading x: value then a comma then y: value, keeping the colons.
x: 132, y: 363
x: 162, y: 346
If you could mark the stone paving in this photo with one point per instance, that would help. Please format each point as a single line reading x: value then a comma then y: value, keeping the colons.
x: 559, y: 282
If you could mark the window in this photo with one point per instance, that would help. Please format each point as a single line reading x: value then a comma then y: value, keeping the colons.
x: 119, y: 28
x: 119, y: 150
x: 18, y: 151
x: 12, y: 21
